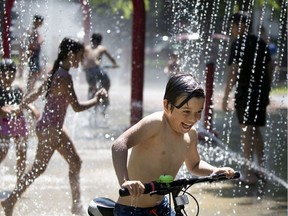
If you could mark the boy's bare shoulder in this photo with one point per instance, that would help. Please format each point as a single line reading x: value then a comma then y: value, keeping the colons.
x: 154, y: 117
x: 152, y: 121
x: 193, y: 134
x: 101, y: 48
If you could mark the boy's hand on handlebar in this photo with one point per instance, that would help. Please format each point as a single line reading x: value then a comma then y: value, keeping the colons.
x: 115, y: 66
x: 101, y: 94
x: 229, y: 172
x: 136, y: 188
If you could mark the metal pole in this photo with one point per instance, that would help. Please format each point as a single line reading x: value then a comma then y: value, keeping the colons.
x: 6, y: 23
x: 208, y: 111
x: 86, y: 20
x: 137, y: 77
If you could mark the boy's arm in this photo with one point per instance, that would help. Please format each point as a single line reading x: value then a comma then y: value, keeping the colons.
x: 230, y: 83
x: 193, y: 161
x: 110, y: 57
x: 131, y: 137
x: 119, y: 157
x: 143, y: 130
x: 199, y: 167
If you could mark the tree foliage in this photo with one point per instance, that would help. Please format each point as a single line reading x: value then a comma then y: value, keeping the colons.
x: 115, y: 6
x: 126, y: 6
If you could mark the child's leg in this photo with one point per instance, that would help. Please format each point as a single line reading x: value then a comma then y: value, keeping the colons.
x: 247, y: 137
x: 259, y: 152
x: 4, y: 148
x: 68, y: 151
x: 259, y: 147
x: 45, y: 149
x: 21, y: 153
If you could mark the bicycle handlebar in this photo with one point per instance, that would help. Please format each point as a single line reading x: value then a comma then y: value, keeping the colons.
x: 109, y: 66
x: 155, y: 187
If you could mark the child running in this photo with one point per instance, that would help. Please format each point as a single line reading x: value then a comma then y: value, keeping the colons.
x: 12, y: 120
x: 59, y: 93
x: 34, y: 50
x: 160, y: 143
x: 92, y: 62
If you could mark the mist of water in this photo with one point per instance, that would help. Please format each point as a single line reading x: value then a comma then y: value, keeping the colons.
x: 193, y: 61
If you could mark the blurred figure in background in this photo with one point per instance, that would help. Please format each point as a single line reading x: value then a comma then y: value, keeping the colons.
x: 250, y: 71
x: 35, y: 41
x: 96, y: 75
x: 92, y: 64
x: 173, y: 66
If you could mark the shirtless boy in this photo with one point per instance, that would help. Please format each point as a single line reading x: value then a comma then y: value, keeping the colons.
x: 92, y: 62
x: 34, y: 50
x: 161, y: 143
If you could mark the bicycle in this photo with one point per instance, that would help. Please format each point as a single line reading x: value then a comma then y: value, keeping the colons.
x: 102, y: 206
x: 102, y: 81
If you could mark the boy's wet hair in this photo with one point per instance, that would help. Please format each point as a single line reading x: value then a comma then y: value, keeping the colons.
x: 38, y: 17
x: 96, y: 38
x: 240, y: 17
x: 183, y: 84
x: 7, y: 65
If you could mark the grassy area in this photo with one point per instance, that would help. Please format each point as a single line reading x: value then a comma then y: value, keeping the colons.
x: 280, y: 90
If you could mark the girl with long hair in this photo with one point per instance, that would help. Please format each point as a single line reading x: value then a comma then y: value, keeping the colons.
x: 59, y: 92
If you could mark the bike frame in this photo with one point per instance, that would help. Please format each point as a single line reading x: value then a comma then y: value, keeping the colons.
x: 177, y: 207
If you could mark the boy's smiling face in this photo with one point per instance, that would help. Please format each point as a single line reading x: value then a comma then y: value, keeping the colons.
x: 182, y: 120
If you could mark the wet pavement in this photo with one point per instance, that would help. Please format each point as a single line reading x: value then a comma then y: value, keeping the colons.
x: 50, y: 193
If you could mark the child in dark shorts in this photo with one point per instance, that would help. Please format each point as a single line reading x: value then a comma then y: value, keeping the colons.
x: 250, y: 71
